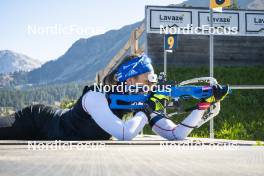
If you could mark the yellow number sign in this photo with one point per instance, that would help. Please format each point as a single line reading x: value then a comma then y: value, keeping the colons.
x: 170, y: 42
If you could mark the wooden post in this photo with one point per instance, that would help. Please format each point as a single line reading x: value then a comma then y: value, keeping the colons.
x: 132, y: 44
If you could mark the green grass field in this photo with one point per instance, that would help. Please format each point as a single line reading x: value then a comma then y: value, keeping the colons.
x: 242, y: 112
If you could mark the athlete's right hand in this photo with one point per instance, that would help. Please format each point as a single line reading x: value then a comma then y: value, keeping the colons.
x: 219, y: 93
x: 155, y: 103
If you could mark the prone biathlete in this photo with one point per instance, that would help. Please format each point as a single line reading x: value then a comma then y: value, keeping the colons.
x: 92, y: 119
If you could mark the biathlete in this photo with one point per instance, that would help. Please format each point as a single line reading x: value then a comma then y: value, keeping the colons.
x: 92, y: 119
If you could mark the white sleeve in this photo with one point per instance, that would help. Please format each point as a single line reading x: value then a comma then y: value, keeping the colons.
x: 169, y: 130
x: 95, y: 103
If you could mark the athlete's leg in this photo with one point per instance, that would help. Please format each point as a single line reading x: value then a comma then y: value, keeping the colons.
x: 16, y: 126
x: 24, y: 124
x: 6, y: 124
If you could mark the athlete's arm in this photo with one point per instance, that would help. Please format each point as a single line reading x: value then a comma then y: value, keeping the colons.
x: 169, y: 130
x: 95, y: 103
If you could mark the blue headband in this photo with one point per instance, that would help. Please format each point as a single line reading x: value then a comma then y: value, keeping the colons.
x: 135, y: 67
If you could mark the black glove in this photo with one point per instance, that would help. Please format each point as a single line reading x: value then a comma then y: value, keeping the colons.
x: 219, y: 93
x: 155, y: 103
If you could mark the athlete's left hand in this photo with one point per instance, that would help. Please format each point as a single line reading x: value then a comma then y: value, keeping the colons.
x: 155, y: 103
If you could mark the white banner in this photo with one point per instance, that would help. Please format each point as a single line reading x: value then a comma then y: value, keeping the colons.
x: 255, y: 22
x: 170, y: 18
x: 227, y: 20
x: 179, y: 20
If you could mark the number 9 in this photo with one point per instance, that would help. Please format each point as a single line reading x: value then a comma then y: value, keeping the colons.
x: 170, y: 41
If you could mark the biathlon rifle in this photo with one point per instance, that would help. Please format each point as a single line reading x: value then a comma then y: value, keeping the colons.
x: 185, y: 89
